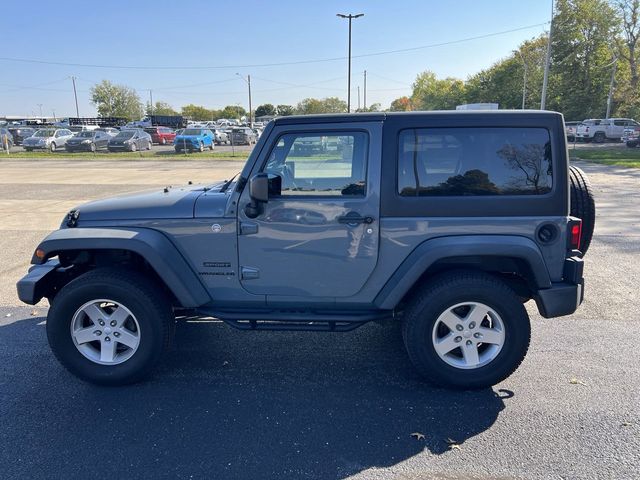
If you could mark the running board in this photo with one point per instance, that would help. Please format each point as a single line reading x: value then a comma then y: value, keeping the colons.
x: 297, y: 321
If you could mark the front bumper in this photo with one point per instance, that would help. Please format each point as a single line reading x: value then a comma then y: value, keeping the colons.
x: 563, y: 298
x: 36, y: 284
x: 37, y: 146
x: 83, y: 147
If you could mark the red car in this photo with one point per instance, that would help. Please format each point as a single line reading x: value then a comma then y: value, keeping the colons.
x: 161, y: 135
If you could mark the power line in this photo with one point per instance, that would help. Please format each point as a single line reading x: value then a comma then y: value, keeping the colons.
x: 261, y: 65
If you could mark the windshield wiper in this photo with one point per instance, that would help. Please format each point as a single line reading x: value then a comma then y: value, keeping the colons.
x: 228, y: 183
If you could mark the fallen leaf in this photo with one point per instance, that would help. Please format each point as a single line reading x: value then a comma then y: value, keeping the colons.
x: 575, y: 381
x: 626, y: 424
x: 418, y: 435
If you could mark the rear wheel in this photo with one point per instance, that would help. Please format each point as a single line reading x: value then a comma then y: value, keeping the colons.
x: 133, y: 147
x: 599, y: 137
x: 93, y: 147
x: 466, y: 330
x: 52, y: 147
x: 583, y: 205
x: 109, y: 327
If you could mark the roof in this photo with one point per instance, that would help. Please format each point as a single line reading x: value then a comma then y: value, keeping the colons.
x: 382, y: 116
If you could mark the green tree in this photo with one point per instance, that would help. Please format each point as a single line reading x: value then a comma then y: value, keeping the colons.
x: 402, y: 104
x: 233, y: 111
x: 196, y: 112
x: 284, y: 110
x: 160, y: 108
x: 374, y: 107
x: 266, y: 109
x: 582, y: 57
x: 627, y: 93
x: 310, y: 106
x: 116, y: 101
x: 430, y: 93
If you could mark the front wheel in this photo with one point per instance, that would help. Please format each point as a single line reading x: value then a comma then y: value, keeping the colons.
x: 133, y: 147
x: 52, y: 147
x: 599, y: 137
x: 93, y: 147
x: 201, y: 147
x: 109, y: 326
x: 466, y: 330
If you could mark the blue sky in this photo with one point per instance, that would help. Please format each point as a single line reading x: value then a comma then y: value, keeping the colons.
x: 233, y: 34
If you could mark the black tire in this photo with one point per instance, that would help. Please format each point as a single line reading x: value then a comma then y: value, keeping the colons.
x: 201, y: 147
x: 599, y: 137
x: 211, y: 146
x: 448, y: 290
x: 52, y: 147
x: 131, y: 289
x: 133, y: 147
x: 583, y: 205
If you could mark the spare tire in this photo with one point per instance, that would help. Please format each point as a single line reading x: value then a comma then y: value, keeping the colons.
x: 583, y: 205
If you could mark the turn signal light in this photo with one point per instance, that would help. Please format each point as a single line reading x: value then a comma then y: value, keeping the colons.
x: 40, y: 253
x: 575, y: 234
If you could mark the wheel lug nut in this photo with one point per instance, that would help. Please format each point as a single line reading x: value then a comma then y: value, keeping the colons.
x: 477, y: 335
x: 457, y: 339
x: 469, y: 342
x: 97, y: 332
x: 472, y: 325
x: 113, y: 323
x: 116, y: 334
x: 101, y: 322
x: 459, y: 327
x: 107, y: 339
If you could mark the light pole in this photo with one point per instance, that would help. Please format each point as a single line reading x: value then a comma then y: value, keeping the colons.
x: 75, y: 94
x: 524, y: 80
x: 547, y: 63
x: 248, y: 82
x: 40, y: 106
x: 350, y: 17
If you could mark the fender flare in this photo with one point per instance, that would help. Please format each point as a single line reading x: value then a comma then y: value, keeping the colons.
x: 152, y: 245
x: 431, y: 251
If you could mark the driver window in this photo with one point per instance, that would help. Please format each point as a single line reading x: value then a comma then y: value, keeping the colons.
x: 322, y: 163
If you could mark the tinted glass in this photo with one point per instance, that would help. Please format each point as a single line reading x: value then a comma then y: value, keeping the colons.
x: 474, y: 161
x: 191, y: 131
x: 44, y: 133
x: 320, y: 164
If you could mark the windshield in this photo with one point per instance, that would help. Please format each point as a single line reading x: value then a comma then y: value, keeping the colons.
x: 191, y: 131
x: 44, y: 133
x: 125, y: 135
x: 84, y: 134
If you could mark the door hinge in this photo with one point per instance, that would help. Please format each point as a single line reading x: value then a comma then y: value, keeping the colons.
x: 249, y: 273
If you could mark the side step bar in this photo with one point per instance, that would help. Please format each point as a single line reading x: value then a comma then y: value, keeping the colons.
x: 284, y: 320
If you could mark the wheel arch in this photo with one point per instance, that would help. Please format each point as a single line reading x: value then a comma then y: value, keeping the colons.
x: 142, y: 249
x: 517, y: 260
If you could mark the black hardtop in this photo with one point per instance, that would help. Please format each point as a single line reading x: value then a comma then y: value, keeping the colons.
x: 477, y: 115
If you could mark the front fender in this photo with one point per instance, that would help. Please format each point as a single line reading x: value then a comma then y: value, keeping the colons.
x: 437, y: 249
x: 153, y: 246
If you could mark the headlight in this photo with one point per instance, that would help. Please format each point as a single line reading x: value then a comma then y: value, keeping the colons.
x: 86, y: 141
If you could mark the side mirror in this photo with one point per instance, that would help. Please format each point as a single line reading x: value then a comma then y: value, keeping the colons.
x: 259, y: 193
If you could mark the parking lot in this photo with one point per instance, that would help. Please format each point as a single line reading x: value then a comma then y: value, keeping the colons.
x: 231, y: 404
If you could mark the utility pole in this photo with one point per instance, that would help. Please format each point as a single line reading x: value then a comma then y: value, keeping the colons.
x: 54, y: 116
x: 151, y: 101
x: 611, y: 86
x: 358, y: 98
x: 545, y: 80
x: 75, y: 94
x: 248, y: 82
x: 40, y: 105
x: 524, y: 80
x: 365, y: 91
x: 349, y: 17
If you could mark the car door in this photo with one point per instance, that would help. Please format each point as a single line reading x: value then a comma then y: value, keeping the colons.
x: 100, y: 140
x: 317, y: 236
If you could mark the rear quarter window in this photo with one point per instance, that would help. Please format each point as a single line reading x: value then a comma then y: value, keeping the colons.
x: 477, y: 161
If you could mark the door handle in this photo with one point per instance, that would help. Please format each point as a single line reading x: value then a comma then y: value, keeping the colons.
x: 353, y: 218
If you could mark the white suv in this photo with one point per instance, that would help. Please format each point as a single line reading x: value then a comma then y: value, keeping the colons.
x: 601, y: 130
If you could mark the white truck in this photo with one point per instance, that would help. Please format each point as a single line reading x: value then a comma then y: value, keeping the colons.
x: 600, y: 130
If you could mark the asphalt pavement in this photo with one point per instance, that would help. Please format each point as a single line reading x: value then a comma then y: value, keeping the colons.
x: 230, y: 404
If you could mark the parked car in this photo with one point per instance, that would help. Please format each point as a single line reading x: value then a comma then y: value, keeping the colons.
x: 130, y: 140
x: 243, y: 136
x: 309, y: 145
x: 601, y: 130
x: 161, y: 135
x: 570, y: 130
x: 20, y: 133
x: 335, y: 241
x: 192, y: 139
x: 88, y: 141
x: 221, y: 136
x: 47, y: 139
x: 258, y: 132
x: 6, y: 139
x: 109, y: 131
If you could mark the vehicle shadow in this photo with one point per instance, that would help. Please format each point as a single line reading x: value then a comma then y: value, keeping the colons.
x: 231, y: 404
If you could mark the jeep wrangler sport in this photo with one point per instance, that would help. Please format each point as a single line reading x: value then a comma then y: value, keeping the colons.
x: 447, y: 222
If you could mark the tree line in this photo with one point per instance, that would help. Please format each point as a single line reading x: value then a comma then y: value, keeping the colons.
x: 594, y: 50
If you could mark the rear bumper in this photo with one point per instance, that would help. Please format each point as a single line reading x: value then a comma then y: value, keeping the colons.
x: 34, y: 285
x: 563, y: 298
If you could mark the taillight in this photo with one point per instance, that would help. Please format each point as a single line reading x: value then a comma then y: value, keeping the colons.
x: 575, y: 234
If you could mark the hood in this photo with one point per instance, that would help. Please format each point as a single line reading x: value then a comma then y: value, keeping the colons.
x: 163, y: 203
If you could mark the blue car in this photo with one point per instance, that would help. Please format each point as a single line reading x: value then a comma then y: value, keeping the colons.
x: 192, y: 139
